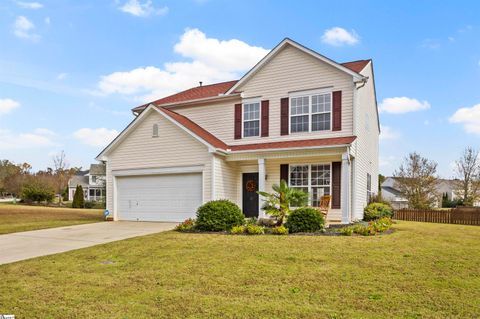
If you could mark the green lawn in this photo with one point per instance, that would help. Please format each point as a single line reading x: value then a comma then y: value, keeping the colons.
x: 420, y: 271
x: 16, y: 218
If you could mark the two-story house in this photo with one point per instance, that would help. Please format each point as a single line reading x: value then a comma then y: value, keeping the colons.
x: 296, y: 116
x: 92, y: 181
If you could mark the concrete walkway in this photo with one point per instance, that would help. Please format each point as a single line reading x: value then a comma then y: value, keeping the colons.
x: 30, y: 244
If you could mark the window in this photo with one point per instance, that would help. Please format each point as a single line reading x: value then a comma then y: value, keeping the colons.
x: 299, y: 110
x: 94, y: 179
x: 98, y: 192
x: 314, y: 179
x: 92, y: 192
x: 251, y: 119
x: 369, y: 187
x: 155, y: 130
x: 311, y: 113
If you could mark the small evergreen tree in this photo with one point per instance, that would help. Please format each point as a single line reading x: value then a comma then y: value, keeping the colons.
x: 78, y: 200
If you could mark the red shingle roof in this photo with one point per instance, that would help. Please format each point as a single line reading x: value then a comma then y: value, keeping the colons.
x: 356, y: 66
x: 199, y: 92
x: 216, y: 89
x: 194, y: 128
x: 332, y: 141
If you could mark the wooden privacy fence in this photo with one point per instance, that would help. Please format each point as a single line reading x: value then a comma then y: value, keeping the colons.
x: 460, y: 215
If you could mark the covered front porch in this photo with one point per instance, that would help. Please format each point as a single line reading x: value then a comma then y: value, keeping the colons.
x: 319, y: 172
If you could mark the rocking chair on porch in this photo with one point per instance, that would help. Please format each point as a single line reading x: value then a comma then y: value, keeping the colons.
x: 324, y: 205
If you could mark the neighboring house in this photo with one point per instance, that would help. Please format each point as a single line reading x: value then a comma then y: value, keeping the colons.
x: 392, y: 194
x: 296, y: 115
x: 92, y: 182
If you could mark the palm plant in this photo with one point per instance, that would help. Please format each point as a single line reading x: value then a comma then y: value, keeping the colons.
x: 278, y: 203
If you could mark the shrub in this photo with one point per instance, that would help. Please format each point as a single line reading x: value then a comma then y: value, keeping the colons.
x: 364, y: 230
x: 37, y: 192
x: 381, y: 225
x: 219, y: 215
x: 186, y: 225
x: 377, y: 210
x: 89, y: 204
x: 305, y: 219
x: 238, y: 230
x: 78, y: 200
x: 279, y: 230
x: 346, y: 231
x: 255, y: 230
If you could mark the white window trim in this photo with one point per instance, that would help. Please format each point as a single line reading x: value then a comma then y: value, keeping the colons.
x: 259, y: 118
x: 310, y: 114
x: 310, y: 178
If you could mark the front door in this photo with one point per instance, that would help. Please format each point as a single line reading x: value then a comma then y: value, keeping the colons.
x: 250, y: 196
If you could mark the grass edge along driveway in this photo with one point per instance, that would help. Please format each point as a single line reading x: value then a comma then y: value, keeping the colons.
x: 420, y: 271
x: 17, y: 218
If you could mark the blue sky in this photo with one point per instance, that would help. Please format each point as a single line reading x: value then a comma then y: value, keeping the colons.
x: 70, y: 71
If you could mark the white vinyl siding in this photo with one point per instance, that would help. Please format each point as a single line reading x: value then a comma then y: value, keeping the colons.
x: 291, y: 70
x: 173, y: 148
x: 365, y: 147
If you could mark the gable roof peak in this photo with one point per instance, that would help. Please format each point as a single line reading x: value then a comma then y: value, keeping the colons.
x: 280, y: 46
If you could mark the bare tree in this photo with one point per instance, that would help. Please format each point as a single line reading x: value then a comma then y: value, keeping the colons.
x: 467, y: 169
x: 62, y: 173
x: 417, y: 179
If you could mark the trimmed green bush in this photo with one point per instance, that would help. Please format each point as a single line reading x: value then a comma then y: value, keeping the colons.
x: 255, y: 230
x: 219, y: 215
x: 305, y: 220
x: 377, y: 210
x: 279, y: 230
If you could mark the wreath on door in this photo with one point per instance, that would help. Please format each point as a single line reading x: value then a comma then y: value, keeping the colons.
x: 251, y: 186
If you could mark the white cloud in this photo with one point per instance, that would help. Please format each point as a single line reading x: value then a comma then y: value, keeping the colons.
x: 30, y: 5
x: 62, y: 76
x: 400, y: 105
x: 387, y: 133
x: 339, y: 36
x: 7, y: 105
x: 95, y: 136
x: 138, y: 9
x: 24, y: 28
x: 212, y: 60
x: 39, y: 138
x: 469, y: 117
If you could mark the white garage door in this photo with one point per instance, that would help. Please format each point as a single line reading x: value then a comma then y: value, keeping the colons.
x: 173, y: 197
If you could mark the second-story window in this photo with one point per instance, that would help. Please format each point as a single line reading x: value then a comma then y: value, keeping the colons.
x: 311, y: 113
x: 251, y: 119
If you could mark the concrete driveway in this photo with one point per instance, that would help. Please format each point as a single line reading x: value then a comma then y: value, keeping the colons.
x: 30, y: 244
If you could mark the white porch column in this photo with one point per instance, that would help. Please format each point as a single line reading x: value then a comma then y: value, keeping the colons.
x: 345, y: 189
x: 261, y: 185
